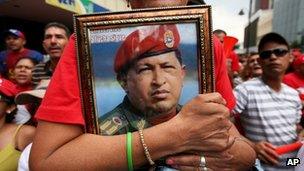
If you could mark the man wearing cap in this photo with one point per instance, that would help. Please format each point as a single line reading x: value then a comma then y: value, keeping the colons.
x: 15, y: 41
x: 270, y: 110
x: 150, y: 70
x: 55, y: 38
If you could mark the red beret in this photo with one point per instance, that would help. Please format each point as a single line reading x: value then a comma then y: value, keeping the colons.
x: 153, y: 40
x: 7, y: 88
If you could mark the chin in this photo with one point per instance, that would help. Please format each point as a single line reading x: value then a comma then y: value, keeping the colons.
x: 163, y: 107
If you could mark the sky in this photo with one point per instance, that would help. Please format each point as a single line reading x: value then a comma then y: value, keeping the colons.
x: 225, y: 16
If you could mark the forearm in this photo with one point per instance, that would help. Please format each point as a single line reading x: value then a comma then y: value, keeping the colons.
x: 94, y: 152
x: 242, y: 150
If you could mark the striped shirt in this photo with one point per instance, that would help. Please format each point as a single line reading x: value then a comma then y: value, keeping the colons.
x: 41, y: 71
x: 267, y: 115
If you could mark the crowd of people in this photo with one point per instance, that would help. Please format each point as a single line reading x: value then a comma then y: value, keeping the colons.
x: 257, y: 106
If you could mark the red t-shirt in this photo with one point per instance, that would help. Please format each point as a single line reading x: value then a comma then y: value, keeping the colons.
x: 62, y: 100
x: 295, y: 81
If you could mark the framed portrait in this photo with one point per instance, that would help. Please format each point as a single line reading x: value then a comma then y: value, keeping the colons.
x: 101, y: 36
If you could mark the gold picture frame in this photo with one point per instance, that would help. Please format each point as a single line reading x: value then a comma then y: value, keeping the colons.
x: 99, y: 35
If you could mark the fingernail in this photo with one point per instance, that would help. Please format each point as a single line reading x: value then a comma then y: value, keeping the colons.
x: 170, y: 161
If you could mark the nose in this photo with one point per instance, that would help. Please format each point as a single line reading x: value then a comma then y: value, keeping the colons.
x: 53, y: 39
x: 158, y: 78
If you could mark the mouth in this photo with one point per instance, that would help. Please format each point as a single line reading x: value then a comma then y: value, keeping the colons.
x: 257, y: 67
x: 55, y: 50
x: 160, y: 94
x: 21, y: 77
x: 274, y: 65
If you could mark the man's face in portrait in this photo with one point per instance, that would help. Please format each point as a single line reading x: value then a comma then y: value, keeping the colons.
x: 153, y: 84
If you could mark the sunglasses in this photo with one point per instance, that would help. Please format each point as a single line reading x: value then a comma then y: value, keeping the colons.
x: 277, y: 52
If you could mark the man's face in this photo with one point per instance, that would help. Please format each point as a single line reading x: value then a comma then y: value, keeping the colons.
x: 14, y: 43
x: 54, y: 41
x: 274, y: 65
x: 23, y: 71
x: 254, y: 66
x: 154, y: 84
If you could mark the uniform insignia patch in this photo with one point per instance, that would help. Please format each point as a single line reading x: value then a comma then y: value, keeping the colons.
x: 169, y: 39
x: 117, y: 120
x: 105, y: 125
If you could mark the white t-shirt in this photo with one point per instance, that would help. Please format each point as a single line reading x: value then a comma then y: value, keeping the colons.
x: 23, y: 164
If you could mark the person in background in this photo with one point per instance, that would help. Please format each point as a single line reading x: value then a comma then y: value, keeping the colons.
x: 252, y: 68
x: 270, y: 110
x: 55, y: 38
x: 22, y: 73
x: 15, y: 42
x: 13, y: 138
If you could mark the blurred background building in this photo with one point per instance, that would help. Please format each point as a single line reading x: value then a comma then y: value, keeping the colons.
x: 288, y: 20
x: 259, y: 23
x: 281, y: 16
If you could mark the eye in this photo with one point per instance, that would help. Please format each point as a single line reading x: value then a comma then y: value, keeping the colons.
x: 169, y: 67
x: 143, y: 69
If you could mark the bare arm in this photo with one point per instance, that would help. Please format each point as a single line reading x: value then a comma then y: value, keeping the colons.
x: 67, y: 143
x: 202, y: 124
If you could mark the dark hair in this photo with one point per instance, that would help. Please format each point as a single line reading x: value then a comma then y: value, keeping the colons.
x: 11, y: 116
x: 272, y: 37
x: 219, y: 31
x: 26, y: 57
x: 124, y: 70
x: 59, y: 25
x: 9, y: 101
x: 196, y: 2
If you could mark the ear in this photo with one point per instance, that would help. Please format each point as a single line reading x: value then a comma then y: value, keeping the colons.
x: 24, y: 42
x: 11, y: 108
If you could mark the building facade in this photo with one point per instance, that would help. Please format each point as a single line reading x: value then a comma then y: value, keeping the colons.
x: 288, y: 20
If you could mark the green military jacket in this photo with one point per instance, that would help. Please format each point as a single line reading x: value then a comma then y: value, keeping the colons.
x: 122, y: 119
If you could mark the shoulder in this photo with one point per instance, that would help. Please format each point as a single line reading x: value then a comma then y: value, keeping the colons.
x: 24, y: 136
x: 290, y: 89
x: 113, y: 121
x: 3, y: 54
x: 39, y: 66
x: 35, y: 54
x: 248, y: 85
